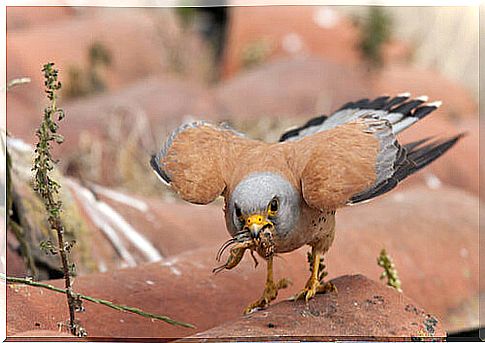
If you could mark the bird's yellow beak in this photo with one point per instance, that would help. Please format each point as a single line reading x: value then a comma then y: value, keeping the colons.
x: 254, y: 223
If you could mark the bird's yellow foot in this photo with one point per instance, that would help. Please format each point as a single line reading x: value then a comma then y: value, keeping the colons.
x: 313, y: 287
x: 269, y: 294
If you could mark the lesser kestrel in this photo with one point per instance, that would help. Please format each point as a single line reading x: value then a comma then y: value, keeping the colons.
x: 281, y: 196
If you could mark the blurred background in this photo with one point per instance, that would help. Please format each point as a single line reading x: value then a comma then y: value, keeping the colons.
x: 131, y: 75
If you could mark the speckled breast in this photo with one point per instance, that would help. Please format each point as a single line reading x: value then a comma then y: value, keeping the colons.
x: 315, y: 227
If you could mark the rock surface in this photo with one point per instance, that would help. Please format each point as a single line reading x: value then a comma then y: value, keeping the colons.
x: 183, y: 287
x: 303, y: 87
x: 361, y: 309
x: 169, y: 288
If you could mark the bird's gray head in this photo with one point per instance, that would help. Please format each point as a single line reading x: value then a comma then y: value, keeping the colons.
x: 263, y: 199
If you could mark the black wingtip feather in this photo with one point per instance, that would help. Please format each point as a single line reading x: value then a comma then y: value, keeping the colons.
x: 427, y: 154
x: 156, y: 168
x: 416, y: 158
x: 407, y: 107
x: 395, y: 101
x: 377, y: 103
x: 423, y: 111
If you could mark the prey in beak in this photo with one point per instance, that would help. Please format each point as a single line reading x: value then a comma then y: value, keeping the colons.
x: 257, y: 234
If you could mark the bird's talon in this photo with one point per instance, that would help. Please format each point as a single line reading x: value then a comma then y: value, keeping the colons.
x: 269, y: 294
x: 315, y: 288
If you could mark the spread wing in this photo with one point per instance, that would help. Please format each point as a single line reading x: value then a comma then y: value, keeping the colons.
x: 400, y: 111
x: 197, y: 159
x: 336, y: 164
x: 354, y: 154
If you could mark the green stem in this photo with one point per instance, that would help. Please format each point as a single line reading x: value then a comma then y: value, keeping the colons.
x: 122, y: 308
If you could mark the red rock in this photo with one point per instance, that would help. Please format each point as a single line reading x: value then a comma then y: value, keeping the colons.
x: 123, y: 32
x: 361, y: 308
x: 67, y: 42
x: 406, y: 223
x: 182, y: 288
x: 289, y: 87
x: 156, y: 105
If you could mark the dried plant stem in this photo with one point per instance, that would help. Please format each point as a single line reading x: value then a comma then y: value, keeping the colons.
x: 47, y: 187
x: 67, y: 274
x: 99, y: 301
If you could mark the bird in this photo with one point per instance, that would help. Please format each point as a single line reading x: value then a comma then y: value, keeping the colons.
x: 292, y: 188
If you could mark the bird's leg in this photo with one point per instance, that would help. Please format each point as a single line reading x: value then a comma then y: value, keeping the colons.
x: 315, y: 283
x: 270, y: 290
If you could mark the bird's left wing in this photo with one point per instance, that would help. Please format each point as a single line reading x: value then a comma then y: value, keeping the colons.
x: 334, y: 165
x: 400, y: 111
x: 358, y: 161
x: 198, y: 158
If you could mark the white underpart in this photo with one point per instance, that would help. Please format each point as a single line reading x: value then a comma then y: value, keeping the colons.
x: 111, y: 222
x: 90, y: 205
x: 121, y: 198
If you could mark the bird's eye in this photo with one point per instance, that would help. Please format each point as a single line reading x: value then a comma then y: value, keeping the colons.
x: 237, y: 211
x: 273, y: 207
